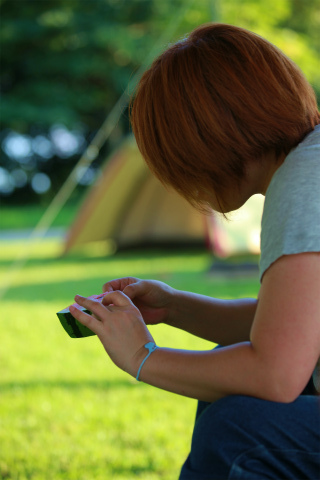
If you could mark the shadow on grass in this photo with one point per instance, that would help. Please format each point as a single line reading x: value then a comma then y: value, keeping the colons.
x: 73, y: 385
x: 62, y: 292
x: 121, y: 255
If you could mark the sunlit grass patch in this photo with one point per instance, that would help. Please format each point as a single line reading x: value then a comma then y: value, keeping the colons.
x: 66, y: 412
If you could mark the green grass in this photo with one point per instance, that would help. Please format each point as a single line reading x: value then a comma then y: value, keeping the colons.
x: 27, y: 216
x: 66, y: 412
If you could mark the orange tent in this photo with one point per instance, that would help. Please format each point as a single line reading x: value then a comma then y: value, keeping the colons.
x: 128, y: 205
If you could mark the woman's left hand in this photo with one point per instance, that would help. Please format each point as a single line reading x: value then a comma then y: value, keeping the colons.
x: 120, y: 327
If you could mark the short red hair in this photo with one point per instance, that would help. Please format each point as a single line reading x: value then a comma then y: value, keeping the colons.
x: 215, y: 100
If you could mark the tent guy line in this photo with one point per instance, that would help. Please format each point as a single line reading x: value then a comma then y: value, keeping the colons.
x: 86, y: 158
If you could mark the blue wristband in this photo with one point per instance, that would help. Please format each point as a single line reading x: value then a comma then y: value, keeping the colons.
x: 151, y: 346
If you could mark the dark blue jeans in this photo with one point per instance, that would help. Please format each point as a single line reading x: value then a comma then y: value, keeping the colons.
x: 240, y: 437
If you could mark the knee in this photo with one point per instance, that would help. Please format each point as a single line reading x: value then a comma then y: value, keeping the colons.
x: 229, y: 422
x: 231, y: 409
x: 221, y: 434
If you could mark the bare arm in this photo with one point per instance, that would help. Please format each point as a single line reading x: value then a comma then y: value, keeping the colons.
x: 274, y: 364
x: 279, y: 359
x: 221, y: 321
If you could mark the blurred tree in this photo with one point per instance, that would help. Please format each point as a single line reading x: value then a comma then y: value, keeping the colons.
x: 67, y: 60
x: 64, y: 64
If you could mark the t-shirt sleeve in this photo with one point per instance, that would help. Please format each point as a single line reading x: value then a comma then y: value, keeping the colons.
x: 291, y: 216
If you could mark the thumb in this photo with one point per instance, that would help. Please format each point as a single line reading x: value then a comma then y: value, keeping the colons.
x: 135, y: 290
x: 117, y: 298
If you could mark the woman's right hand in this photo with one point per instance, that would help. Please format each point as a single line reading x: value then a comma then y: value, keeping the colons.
x: 151, y: 297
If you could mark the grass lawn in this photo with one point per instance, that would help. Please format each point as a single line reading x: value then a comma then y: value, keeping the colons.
x: 27, y: 216
x: 66, y: 412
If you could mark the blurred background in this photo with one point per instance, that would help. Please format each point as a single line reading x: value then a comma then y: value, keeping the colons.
x: 68, y: 68
x: 66, y: 63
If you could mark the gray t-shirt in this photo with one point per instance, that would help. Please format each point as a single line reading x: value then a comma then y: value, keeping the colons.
x: 291, y: 214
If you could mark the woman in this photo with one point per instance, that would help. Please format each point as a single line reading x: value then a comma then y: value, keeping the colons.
x: 220, y: 116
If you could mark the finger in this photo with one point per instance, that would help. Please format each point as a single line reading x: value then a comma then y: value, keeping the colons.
x: 118, y: 284
x: 105, y: 300
x: 85, y: 319
x: 118, y: 299
x: 110, y: 286
x: 93, y: 305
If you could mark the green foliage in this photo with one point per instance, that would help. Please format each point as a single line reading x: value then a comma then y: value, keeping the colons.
x: 66, y: 412
x: 69, y: 60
